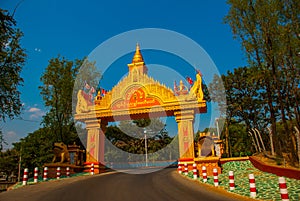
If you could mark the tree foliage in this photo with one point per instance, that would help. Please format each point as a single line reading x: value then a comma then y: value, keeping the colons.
x: 12, y: 59
x: 58, y: 82
x: 35, y: 149
x: 9, y: 162
x: 61, y: 81
x: 266, y: 91
x: 130, y: 138
x: 31, y: 151
x: 87, y: 74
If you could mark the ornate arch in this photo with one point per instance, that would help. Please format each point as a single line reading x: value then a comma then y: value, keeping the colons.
x: 136, y: 96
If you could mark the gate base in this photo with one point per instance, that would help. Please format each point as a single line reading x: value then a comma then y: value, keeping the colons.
x: 98, y: 167
x: 210, y: 163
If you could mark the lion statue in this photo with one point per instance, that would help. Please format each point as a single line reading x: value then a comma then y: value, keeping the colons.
x: 61, y: 153
x: 83, y: 102
x: 197, y: 87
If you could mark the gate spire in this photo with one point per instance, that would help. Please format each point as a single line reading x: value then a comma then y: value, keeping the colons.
x: 138, y: 55
x: 137, y: 65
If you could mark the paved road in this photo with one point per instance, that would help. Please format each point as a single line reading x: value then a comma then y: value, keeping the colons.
x: 165, y: 185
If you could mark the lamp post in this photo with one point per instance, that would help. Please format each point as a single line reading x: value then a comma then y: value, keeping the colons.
x: 217, y: 124
x: 145, y: 132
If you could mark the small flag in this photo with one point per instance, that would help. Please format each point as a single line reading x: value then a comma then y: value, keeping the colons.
x: 92, y: 90
x: 190, y: 81
x: 103, y: 91
x: 175, y: 86
x: 86, y: 85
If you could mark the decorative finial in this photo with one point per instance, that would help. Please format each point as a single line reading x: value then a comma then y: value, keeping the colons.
x: 137, y: 56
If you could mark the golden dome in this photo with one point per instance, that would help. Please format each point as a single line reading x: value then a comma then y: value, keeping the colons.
x: 137, y: 56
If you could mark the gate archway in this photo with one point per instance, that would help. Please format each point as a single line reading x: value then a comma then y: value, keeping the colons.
x: 139, y: 96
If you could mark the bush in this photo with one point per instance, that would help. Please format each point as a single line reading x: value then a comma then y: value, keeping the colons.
x: 278, y: 161
x: 236, y: 154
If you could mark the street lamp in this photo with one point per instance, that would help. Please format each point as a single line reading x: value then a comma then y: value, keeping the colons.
x: 145, y: 132
x: 217, y: 124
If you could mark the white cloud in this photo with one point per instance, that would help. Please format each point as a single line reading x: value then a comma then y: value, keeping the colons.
x: 35, y: 113
x: 34, y: 109
x: 11, y: 134
x: 10, y: 137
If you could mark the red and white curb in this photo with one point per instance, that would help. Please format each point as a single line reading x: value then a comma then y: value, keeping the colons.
x: 58, y: 173
x: 68, y: 171
x: 283, y: 189
x: 252, y: 186
x: 231, y: 181
x: 36, y: 175
x: 215, y: 174
x: 25, y: 176
x: 204, y: 174
x: 45, y: 176
x: 195, y: 171
x: 186, y: 170
x: 92, y: 169
x: 179, y: 168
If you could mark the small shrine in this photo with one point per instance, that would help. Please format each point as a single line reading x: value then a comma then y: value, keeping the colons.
x: 71, y: 156
x: 208, y: 149
x: 138, y: 96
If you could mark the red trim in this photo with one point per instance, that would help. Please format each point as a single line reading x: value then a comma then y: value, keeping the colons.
x: 251, y: 180
x: 286, y: 172
x: 186, y: 159
x: 90, y: 163
x: 283, y: 185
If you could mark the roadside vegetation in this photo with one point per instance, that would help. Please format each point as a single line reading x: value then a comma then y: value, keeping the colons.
x: 264, y: 94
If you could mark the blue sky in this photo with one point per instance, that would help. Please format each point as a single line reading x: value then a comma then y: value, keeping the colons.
x: 74, y: 28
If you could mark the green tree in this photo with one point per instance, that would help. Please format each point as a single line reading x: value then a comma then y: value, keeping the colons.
x: 217, y: 90
x: 36, y: 148
x: 86, y: 73
x: 62, y: 80
x: 9, y: 162
x: 130, y: 138
x: 269, y: 34
x: 58, y: 82
x: 12, y: 59
x: 240, y: 144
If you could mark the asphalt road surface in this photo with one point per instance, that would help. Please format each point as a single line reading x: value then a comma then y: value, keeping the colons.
x: 164, y: 185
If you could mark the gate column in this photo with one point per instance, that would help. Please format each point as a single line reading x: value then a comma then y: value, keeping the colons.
x: 185, y: 122
x: 95, y: 144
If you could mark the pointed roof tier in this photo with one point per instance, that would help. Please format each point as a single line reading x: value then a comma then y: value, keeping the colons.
x: 138, y: 55
x: 137, y: 65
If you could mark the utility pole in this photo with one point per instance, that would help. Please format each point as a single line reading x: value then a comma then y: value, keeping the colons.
x: 146, y: 148
x: 19, y: 166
